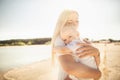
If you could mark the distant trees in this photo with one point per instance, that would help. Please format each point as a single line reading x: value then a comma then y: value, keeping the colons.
x: 102, y: 40
x: 111, y: 40
x: 106, y: 41
x: 46, y: 41
x: 21, y: 42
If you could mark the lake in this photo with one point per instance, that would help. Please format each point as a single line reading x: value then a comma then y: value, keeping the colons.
x: 15, y: 56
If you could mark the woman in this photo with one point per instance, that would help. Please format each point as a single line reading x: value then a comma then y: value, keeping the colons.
x: 70, y: 17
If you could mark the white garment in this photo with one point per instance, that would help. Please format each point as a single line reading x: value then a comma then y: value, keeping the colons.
x: 89, y: 60
x: 61, y: 73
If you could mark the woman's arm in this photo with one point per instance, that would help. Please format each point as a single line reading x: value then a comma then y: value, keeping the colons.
x: 62, y: 50
x: 77, y: 69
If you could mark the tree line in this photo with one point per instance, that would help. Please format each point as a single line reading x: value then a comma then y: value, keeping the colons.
x: 45, y: 41
x: 21, y: 42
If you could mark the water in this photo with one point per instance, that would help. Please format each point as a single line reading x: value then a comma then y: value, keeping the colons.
x: 14, y: 56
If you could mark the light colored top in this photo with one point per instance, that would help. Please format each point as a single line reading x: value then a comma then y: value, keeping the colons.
x: 61, y: 73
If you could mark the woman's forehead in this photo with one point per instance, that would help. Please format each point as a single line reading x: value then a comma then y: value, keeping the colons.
x: 73, y: 16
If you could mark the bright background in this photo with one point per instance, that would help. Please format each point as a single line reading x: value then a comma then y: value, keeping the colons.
x: 21, y: 19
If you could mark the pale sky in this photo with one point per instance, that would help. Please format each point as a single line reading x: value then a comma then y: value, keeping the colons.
x: 20, y: 19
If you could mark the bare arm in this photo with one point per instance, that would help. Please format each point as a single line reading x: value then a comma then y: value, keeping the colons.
x: 62, y: 50
x: 79, y: 70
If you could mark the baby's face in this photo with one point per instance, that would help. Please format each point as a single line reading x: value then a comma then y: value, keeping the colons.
x: 67, y: 38
x: 68, y: 34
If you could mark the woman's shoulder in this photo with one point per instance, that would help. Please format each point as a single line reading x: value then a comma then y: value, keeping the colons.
x: 58, y: 38
x: 59, y: 41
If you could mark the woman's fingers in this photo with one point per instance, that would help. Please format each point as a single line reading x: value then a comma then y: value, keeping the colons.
x: 83, y: 44
x: 87, y: 50
x: 81, y: 49
x: 86, y: 53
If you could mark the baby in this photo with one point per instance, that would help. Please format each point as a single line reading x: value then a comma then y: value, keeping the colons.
x: 71, y: 39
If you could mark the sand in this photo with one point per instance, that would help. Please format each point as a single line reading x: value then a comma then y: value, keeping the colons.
x: 110, y: 61
x: 110, y: 67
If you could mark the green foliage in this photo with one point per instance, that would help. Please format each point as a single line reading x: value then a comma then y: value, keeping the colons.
x: 48, y: 43
x: 29, y: 43
x: 22, y: 42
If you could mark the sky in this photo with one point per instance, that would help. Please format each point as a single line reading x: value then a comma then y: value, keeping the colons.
x: 22, y: 19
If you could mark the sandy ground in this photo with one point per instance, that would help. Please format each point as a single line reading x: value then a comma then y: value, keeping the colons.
x: 110, y: 67
x: 110, y: 61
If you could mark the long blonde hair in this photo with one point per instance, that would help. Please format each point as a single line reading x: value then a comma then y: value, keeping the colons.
x: 62, y: 20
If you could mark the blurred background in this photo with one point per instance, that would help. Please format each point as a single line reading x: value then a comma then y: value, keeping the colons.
x: 21, y: 19
x: 26, y: 28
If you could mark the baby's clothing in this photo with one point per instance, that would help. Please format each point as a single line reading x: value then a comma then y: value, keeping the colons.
x: 89, y: 60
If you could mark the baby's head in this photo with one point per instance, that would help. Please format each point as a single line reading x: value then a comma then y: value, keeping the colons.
x: 69, y: 33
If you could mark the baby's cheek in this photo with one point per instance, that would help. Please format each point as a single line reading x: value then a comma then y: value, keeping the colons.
x: 65, y: 42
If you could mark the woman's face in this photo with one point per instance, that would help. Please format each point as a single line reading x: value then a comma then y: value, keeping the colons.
x: 73, y: 20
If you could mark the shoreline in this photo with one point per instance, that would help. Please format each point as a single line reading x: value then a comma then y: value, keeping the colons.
x: 34, y: 69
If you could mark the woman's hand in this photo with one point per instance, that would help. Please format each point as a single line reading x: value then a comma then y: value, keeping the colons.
x: 87, y: 50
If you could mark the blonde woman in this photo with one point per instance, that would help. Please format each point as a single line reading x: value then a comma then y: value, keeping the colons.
x: 68, y: 64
